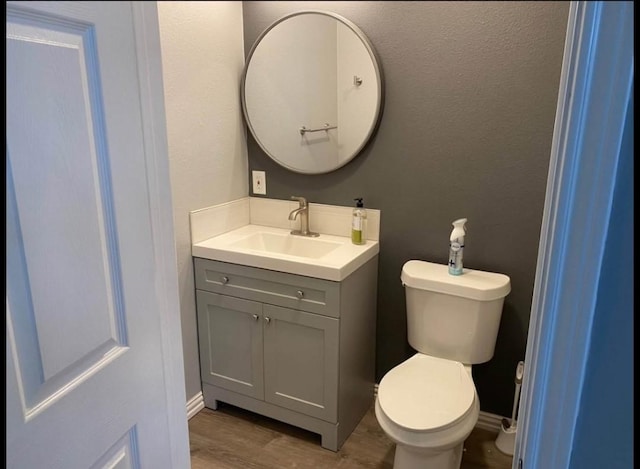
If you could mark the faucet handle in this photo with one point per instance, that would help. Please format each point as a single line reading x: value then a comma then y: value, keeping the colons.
x: 302, y: 200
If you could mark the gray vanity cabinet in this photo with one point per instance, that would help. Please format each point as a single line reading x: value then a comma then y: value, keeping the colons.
x: 281, y: 355
x: 294, y: 348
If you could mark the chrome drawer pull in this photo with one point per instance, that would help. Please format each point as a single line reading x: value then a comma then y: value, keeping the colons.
x: 255, y: 316
x: 268, y: 319
x: 300, y: 294
x: 224, y: 280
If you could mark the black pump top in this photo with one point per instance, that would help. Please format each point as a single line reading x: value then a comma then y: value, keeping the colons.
x: 359, y: 202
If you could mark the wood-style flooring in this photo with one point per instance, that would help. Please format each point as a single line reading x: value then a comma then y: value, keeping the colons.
x: 234, y: 438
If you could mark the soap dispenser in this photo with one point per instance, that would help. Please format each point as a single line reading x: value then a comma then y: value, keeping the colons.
x: 456, y: 246
x: 359, y: 223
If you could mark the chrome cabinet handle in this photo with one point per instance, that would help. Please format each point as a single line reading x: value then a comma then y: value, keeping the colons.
x: 255, y: 316
x: 300, y: 294
x: 268, y: 319
x: 224, y: 280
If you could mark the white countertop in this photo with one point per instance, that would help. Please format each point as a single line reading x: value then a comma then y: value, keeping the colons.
x: 335, y: 265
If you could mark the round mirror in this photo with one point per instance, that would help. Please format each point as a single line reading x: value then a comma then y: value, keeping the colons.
x: 312, y: 91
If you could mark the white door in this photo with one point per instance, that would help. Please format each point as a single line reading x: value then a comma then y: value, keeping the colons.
x: 94, y: 360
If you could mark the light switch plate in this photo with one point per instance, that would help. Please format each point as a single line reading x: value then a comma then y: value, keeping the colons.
x: 259, y: 182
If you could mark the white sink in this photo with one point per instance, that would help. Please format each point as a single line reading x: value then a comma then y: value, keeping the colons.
x: 328, y: 257
x: 287, y: 244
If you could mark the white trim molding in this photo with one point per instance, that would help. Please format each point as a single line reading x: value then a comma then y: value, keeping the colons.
x: 195, y: 405
x: 595, y: 88
x: 147, y: 37
x: 489, y: 421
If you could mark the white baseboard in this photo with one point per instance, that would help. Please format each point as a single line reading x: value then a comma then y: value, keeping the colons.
x: 486, y: 420
x: 195, y: 405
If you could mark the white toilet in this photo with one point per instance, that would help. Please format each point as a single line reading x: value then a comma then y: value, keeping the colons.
x: 428, y: 404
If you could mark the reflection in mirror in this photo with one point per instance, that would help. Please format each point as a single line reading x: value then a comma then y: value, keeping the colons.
x: 312, y: 91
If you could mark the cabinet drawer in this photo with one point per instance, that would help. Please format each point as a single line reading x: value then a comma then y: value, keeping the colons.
x: 268, y: 286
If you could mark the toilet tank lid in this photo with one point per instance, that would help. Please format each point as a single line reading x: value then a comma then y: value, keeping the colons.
x: 472, y: 284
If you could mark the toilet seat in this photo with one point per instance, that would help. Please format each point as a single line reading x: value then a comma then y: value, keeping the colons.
x: 427, y: 394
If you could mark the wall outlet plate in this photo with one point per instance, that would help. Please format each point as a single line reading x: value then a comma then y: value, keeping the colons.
x: 259, y: 182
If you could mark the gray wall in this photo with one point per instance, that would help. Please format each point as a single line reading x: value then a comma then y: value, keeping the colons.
x: 470, y: 100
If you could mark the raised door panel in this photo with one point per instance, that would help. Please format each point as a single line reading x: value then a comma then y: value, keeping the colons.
x: 230, y: 336
x: 301, y: 361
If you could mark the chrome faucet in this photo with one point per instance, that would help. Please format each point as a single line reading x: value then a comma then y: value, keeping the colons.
x: 303, y: 211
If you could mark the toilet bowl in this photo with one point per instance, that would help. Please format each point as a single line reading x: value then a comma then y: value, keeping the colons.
x: 428, y: 406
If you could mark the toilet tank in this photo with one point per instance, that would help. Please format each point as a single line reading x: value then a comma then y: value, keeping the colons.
x: 453, y: 316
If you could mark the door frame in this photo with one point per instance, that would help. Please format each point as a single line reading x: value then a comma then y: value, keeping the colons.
x: 147, y: 39
x: 595, y: 88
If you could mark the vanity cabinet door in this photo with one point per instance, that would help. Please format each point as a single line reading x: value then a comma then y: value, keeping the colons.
x: 231, y: 342
x: 301, y: 361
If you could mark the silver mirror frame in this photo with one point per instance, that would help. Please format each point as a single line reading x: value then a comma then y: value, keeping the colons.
x: 379, y: 76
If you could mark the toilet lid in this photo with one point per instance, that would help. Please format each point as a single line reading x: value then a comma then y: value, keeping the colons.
x: 426, y: 393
